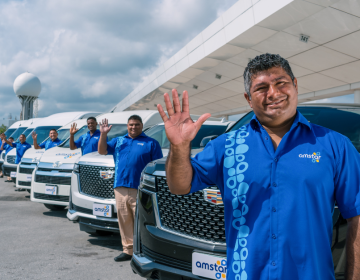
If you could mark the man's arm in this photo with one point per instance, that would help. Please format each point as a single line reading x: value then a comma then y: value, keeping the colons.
x: 3, y: 138
x: 73, y: 130
x: 353, y: 249
x: 34, y: 137
x: 180, y: 130
x: 2, y: 145
x: 104, y: 130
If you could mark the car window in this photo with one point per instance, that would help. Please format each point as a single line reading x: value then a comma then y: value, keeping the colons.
x: 158, y: 133
x: 77, y: 135
x: 345, y: 121
x: 18, y: 132
x: 42, y: 134
x: 9, y: 132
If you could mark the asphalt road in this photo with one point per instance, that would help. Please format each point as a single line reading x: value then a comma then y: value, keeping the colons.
x: 36, y: 243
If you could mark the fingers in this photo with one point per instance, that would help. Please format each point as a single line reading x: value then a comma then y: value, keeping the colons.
x: 110, y: 127
x: 169, y: 107
x: 176, y: 101
x: 201, y: 120
x: 162, y: 113
x: 185, y: 102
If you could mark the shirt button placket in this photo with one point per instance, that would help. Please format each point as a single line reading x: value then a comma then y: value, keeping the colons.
x: 274, y: 219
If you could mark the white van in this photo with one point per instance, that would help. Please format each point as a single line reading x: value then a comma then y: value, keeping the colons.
x: 9, y: 166
x: 92, y: 181
x: 32, y: 156
x: 8, y: 133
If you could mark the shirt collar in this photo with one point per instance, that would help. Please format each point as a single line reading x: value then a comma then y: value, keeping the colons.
x: 95, y: 133
x: 299, y: 118
x: 141, y: 135
x: 56, y: 140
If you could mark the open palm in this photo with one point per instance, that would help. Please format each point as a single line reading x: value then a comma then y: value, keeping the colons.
x: 104, y: 126
x: 179, y: 127
x: 73, y: 129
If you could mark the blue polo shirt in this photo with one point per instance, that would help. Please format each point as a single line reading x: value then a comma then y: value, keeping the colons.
x: 279, y: 204
x: 20, y: 150
x: 88, y: 143
x: 7, y: 148
x: 131, y: 156
x: 50, y: 144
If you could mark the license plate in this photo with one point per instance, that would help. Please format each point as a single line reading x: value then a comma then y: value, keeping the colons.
x: 52, y: 190
x: 28, y: 178
x: 210, y: 266
x: 103, y: 210
x: 13, y: 174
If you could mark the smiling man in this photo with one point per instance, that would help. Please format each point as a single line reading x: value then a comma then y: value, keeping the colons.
x: 278, y: 202
x: 87, y: 142
x: 54, y: 141
x: 131, y: 153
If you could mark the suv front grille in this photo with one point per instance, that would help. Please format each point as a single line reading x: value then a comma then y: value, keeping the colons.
x: 190, y: 214
x: 11, y: 159
x: 62, y: 198
x: 22, y: 183
x: 92, y: 184
x: 56, y: 180
x: 24, y: 170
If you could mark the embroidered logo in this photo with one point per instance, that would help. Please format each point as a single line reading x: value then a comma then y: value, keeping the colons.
x: 315, y: 157
x: 141, y: 144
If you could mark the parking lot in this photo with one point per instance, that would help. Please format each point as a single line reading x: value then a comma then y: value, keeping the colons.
x: 36, y: 243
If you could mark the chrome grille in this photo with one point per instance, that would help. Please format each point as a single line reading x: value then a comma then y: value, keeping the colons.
x: 11, y: 159
x: 56, y: 180
x: 190, y: 214
x: 24, y: 170
x: 22, y: 183
x: 92, y: 184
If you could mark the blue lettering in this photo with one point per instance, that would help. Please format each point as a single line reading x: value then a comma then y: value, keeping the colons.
x: 211, y: 267
x: 205, y: 266
x: 198, y: 264
x: 216, y: 267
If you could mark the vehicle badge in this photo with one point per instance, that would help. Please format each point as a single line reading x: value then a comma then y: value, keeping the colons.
x: 106, y: 175
x: 35, y: 159
x: 213, y: 196
x: 57, y: 164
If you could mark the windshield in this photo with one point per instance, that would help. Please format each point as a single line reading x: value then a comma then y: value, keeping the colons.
x: 63, y: 134
x: 42, y: 134
x: 9, y: 132
x: 18, y: 132
x: 77, y: 135
x: 344, y: 121
x: 158, y: 133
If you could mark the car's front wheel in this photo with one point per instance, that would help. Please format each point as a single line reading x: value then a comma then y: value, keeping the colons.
x: 54, y: 207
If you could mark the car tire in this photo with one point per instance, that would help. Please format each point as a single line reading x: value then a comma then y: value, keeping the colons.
x: 54, y: 207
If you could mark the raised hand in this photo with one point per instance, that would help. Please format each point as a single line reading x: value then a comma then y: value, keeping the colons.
x: 104, y: 126
x: 2, y: 137
x: 179, y: 127
x: 73, y: 129
x: 34, y: 135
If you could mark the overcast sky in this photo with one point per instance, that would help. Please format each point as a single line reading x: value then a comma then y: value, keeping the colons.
x: 89, y: 54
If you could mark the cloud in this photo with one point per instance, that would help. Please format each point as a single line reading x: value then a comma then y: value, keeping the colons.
x: 92, y: 53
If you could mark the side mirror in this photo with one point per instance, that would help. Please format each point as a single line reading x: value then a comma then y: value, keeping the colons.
x: 207, y: 139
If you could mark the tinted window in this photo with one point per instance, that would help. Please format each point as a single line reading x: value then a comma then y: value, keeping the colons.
x: 63, y: 134
x: 158, y: 133
x: 42, y: 134
x: 77, y: 135
x: 18, y: 132
x: 344, y: 121
x: 9, y: 132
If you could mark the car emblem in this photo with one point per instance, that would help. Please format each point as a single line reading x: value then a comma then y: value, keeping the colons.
x: 106, y: 175
x: 213, y: 196
x: 57, y: 164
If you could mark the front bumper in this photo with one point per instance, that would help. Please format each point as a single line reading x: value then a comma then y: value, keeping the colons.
x: 8, y: 168
x: 81, y: 210
x: 38, y: 194
x: 23, y: 180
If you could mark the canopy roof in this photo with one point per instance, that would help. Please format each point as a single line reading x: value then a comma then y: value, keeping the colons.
x: 210, y: 67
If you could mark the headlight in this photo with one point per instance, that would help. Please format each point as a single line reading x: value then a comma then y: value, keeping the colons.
x: 147, y: 181
x: 76, y: 168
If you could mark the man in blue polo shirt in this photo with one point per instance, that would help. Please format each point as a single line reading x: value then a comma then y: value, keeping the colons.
x: 279, y: 178
x: 87, y: 142
x: 54, y: 141
x: 6, y: 148
x: 132, y: 153
x: 21, y: 147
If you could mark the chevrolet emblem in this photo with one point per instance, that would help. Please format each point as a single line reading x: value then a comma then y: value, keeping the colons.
x: 57, y: 164
x: 106, y: 175
x: 213, y: 196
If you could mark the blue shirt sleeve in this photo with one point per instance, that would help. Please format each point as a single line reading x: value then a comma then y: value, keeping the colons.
x: 111, y: 146
x: 13, y: 145
x: 156, y: 151
x: 347, y: 181
x: 42, y: 145
x: 79, y: 141
x: 206, y: 168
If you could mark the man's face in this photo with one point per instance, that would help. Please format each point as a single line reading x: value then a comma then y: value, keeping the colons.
x: 22, y: 139
x: 273, y: 96
x: 53, y: 135
x: 11, y: 140
x: 91, y: 124
x: 134, y: 128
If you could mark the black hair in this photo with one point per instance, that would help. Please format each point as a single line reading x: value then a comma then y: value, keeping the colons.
x: 91, y: 118
x: 264, y: 62
x: 11, y: 138
x: 23, y: 135
x: 136, y: 118
x: 53, y: 129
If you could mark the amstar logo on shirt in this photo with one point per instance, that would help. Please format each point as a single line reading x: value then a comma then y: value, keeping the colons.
x: 314, y: 156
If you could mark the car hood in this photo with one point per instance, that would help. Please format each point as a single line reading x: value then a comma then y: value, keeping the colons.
x: 95, y: 157
x: 159, y: 165
x: 33, y: 153
x: 65, y: 155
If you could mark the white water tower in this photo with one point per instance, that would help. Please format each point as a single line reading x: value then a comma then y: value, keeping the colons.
x: 27, y: 88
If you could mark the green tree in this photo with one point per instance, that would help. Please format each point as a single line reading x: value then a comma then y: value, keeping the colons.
x: 2, y: 128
